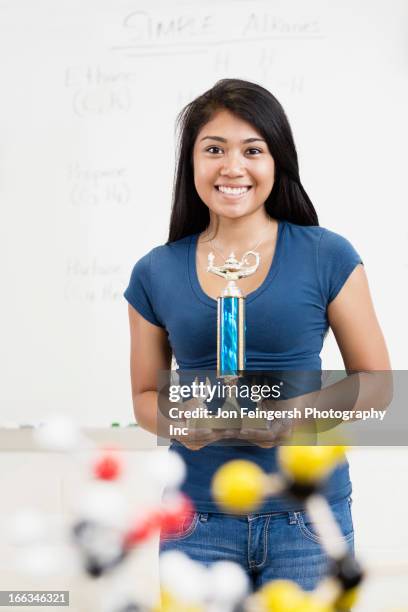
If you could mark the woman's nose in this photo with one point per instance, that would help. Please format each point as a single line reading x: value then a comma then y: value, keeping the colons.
x: 232, y: 165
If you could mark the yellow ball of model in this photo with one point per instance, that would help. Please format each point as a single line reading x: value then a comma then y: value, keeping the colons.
x: 309, y: 464
x: 280, y: 595
x: 168, y: 603
x: 239, y: 486
x: 348, y: 599
x: 285, y: 595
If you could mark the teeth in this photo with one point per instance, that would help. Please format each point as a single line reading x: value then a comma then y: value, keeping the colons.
x: 233, y: 190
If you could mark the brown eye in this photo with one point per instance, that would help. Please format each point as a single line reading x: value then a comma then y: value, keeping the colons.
x: 218, y: 149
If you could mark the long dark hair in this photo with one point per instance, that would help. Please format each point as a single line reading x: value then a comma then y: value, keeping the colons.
x: 288, y: 200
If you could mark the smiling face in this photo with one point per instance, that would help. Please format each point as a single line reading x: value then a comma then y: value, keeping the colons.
x: 233, y: 169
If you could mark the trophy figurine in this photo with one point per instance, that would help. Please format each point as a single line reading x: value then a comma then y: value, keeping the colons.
x: 231, y: 313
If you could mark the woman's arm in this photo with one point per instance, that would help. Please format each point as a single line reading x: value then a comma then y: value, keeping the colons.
x: 354, y: 323
x: 359, y: 337
x: 150, y: 352
x: 365, y: 356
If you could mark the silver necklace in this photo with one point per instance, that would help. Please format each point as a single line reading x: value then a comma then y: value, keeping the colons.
x: 232, y: 254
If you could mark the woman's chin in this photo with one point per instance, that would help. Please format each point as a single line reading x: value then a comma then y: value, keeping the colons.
x: 231, y: 211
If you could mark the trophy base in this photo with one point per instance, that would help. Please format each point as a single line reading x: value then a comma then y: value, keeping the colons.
x: 254, y: 423
x: 227, y: 423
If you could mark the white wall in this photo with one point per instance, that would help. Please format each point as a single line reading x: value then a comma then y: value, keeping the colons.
x: 90, y: 93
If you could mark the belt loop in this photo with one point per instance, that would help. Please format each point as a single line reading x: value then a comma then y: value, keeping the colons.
x: 203, y: 517
x: 292, y: 518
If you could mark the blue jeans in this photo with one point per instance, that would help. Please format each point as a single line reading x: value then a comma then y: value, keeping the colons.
x: 268, y: 546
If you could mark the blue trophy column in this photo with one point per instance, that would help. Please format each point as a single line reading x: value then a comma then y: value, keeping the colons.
x: 231, y: 336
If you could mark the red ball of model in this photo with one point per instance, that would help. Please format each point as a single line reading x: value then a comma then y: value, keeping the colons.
x: 169, y: 519
x: 107, y: 467
x: 175, y: 514
x: 143, y: 529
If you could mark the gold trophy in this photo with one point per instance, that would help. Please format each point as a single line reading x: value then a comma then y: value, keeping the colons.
x: 231, y: 313
x: 231, y: 330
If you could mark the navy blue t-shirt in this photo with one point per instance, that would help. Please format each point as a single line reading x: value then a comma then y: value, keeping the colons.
x: 286, y: 320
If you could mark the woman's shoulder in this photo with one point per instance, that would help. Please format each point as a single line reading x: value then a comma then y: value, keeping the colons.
x: 181, y: 244
x: 176, y: 249
x: 321, y: 237
x: 166, y: 253
x: 332, y: 255
x: 329, y: 253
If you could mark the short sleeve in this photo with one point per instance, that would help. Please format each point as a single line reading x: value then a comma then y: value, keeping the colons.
x: 336, y: 259
x: 139, y: 291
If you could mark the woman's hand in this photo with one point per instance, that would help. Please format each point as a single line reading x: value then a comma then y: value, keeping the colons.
x: 276, y: 431
x: 195, y: 438
x: 198, y: 438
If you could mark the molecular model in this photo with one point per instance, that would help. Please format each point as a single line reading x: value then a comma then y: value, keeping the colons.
x: 241, y: 486
x: 104, y: 533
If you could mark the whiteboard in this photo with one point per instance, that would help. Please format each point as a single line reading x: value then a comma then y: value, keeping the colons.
x: 90, y: 94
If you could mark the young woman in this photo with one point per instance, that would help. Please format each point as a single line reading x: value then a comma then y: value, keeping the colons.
x: 237, y: 188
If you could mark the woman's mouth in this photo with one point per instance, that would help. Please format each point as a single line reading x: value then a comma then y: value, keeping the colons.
x: 233, y: 193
